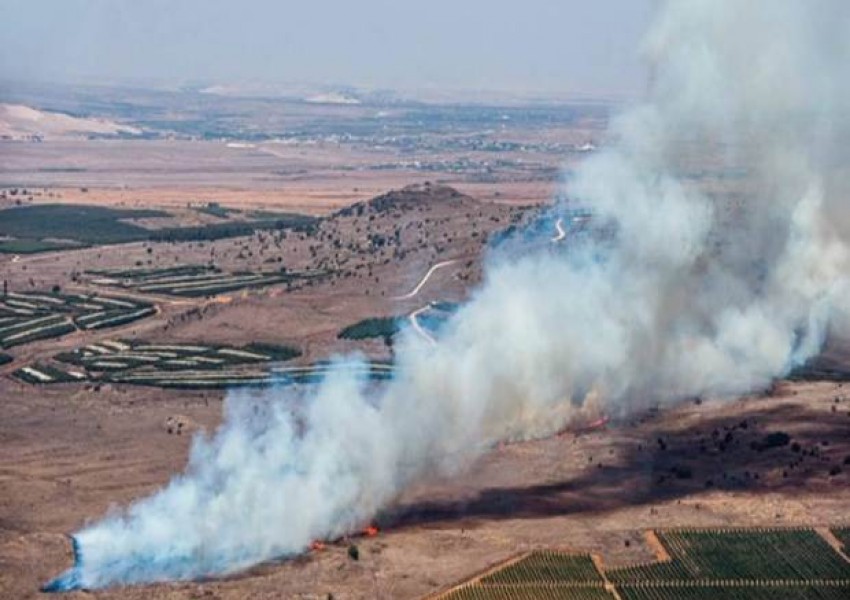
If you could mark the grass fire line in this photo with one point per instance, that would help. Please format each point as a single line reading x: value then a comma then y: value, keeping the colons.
x: 665, y: 298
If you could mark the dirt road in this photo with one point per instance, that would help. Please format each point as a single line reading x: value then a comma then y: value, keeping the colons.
x: 425, y: 279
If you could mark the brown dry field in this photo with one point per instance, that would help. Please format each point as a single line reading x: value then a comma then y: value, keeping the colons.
x: 71, y: 452
x: 313, y: 198
x: 174, y: 173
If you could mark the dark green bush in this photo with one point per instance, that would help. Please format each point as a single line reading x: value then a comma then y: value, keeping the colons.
x: 353, y: 552
x: 371, y: 328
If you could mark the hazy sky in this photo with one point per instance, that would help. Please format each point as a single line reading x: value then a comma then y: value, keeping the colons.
x: 565, y: 46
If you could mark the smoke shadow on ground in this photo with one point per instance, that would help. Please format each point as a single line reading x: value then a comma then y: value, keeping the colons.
x: 831, y: 364
x: 778, y: 449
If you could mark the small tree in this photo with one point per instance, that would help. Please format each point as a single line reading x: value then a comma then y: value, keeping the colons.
x: 353, y: 552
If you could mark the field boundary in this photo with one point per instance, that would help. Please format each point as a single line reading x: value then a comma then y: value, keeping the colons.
x: 832, y: 540
x: 478, y: 575
x: 655, y: 544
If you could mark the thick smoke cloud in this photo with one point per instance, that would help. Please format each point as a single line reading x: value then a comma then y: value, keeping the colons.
x: 716, y: 257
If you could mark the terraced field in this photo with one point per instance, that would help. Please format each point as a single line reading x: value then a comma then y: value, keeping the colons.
x: 317, y: 371
x: 45, y: 373
x: 185, y: 366
x: 235, y: 377
x: 166, y: 365
x: 195, y: 280
x: 30, y: 316
x: 736, y: 564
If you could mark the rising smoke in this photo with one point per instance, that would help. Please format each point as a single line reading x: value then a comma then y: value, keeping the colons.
x: 719, y: 251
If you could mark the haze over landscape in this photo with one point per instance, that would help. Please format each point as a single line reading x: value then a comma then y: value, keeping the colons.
x: 479, y: 301
x: 568, y: 48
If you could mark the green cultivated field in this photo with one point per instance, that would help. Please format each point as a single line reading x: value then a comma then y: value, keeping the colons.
x: 144, y: 363
x: 745, y: 554
x: 219, y: 378
x: 39, y: 373
x: 216, y: 210
x: 195, y: 280
x: 765, y: 591
x: 540, y: 574
x: 185, y: 366
x: 314, y: 373
x: 30, y: 316
x: 144, y: 274
x: 738, y: 564
x: 548, y: 566
x: 85, y: 224
x: 30, y: 246
x: 44, y: 227
x: 528, y: 592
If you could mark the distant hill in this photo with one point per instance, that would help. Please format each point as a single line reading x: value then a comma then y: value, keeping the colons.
x: 410, y: 197
x: 19, y: 122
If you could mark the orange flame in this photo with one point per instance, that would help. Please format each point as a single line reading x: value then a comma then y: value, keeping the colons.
x: 317, y: 546
x: 370, y: 531
x: 599, y: 423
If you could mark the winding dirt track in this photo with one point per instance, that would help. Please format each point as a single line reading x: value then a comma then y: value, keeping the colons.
x: 414, y: 322
x: 425, y: 279
x: 559, y: 227
x: 412, y: 317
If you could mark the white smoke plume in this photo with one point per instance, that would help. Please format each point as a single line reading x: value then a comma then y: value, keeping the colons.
x: 718, y: 254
